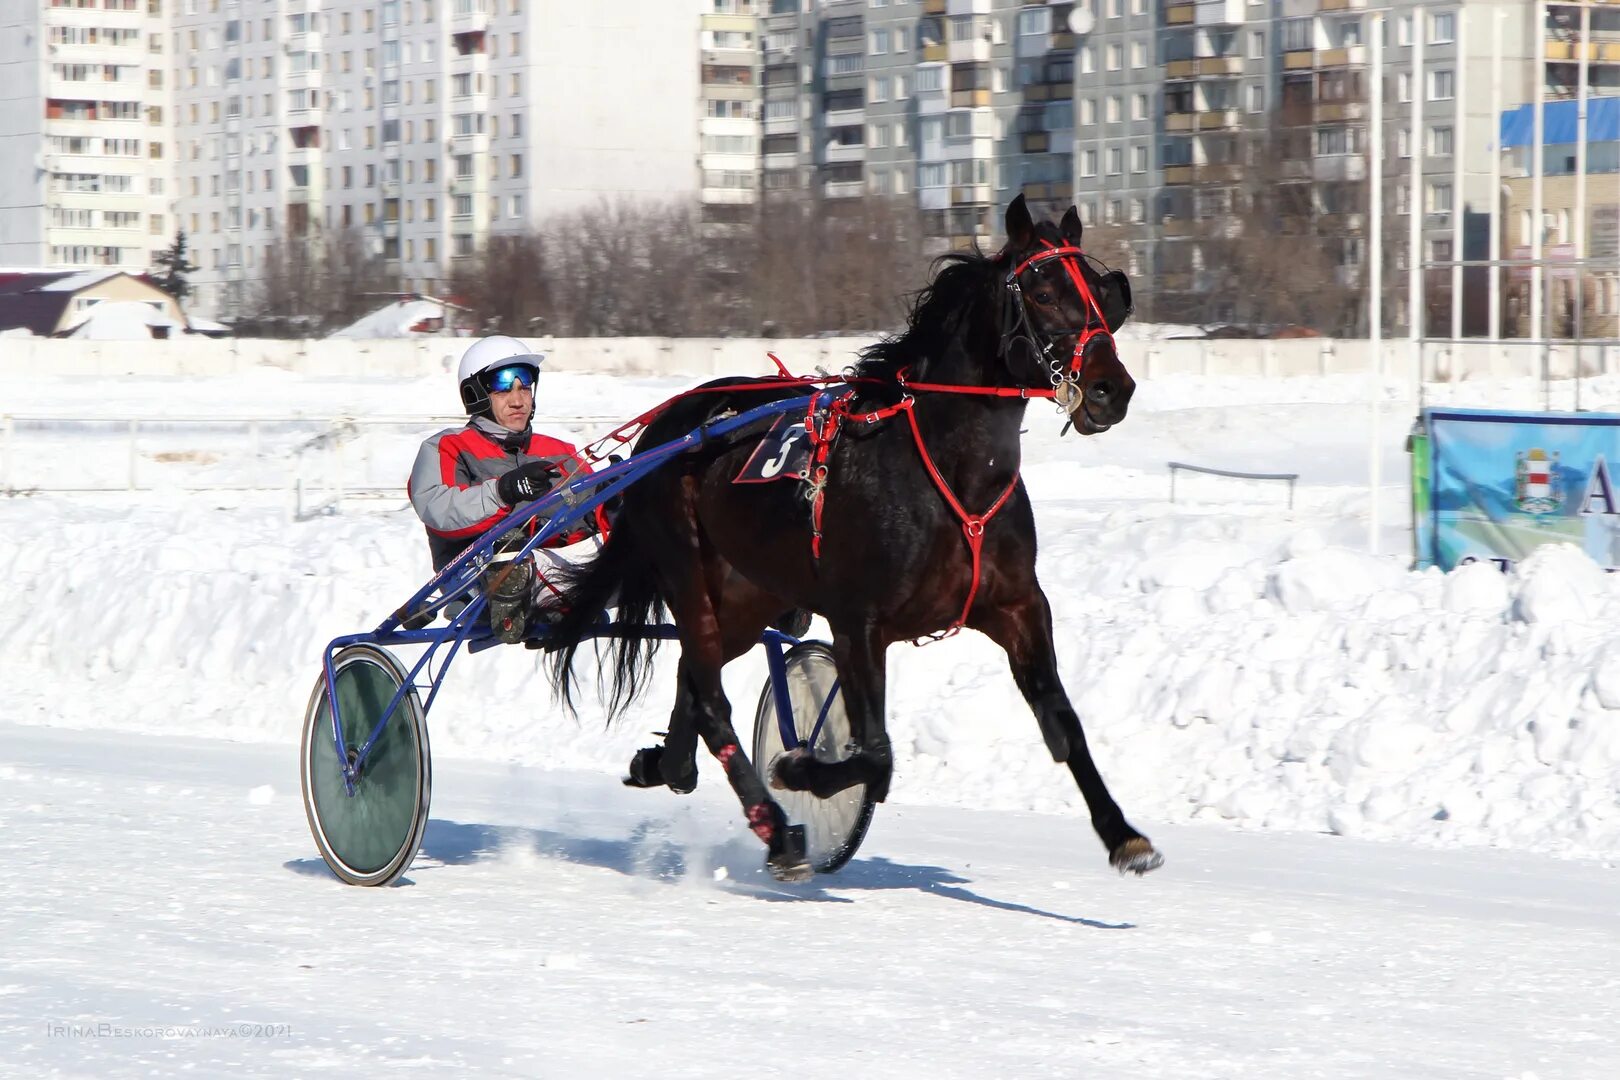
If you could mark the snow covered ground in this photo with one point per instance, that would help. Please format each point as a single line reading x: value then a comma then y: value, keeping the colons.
x: 1238, y: 666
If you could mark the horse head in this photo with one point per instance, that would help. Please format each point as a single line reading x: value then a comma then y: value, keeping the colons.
x: 1059, y: 316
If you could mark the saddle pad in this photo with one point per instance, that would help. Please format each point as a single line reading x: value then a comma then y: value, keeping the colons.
x: 783, y: 453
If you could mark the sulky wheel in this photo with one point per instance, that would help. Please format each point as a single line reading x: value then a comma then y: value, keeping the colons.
x: 834, y: 826
x: 371, y: 836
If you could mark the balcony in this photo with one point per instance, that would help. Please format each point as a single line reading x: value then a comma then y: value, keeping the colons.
x: 1220, y: 120
x: 1341, y: 110
x: 469, y: 15
x: 835, y: 153
x: 845, y: 117
x: 968, y: 99
x: 1220, y: 12
x: 1179, y: 121
x: 1035, y: 142
x: 1299, y: 60
x: 1342, y: 5
x: 1180, y: 69
x: 1339, y: 167
x: 933, y: 7
x: 781, y: 161
x: 935, y: 54
x: 1353, y: 56
x: 1178, y: 226
x: 974, y: 50
x: 1178, y: 174
x: 1594, y: 50
x: 970, y: 194
x: 845, y: 189
x: 1220, y: 65
x: 298, y: 196
x: 728, y: 196
x: 1180, y: 14
x: 782, y: 125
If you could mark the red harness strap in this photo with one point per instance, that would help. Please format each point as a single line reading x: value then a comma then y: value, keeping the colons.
x: 973, y: 525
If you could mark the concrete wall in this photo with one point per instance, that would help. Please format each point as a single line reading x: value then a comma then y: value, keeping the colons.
x: 701, y: 357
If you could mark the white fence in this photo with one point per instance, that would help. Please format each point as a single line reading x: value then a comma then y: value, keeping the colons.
x: 316, y: 462
x: 698, y: 357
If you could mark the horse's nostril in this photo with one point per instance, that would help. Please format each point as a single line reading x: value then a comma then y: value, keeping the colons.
x: 1100, y: 391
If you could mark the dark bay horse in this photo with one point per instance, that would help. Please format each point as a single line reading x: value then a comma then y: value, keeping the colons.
x: 929, y: 444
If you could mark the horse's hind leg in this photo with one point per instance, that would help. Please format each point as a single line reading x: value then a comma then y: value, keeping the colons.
x: 1024, y: 630
x: 862, y: 677
x: 716, y: 624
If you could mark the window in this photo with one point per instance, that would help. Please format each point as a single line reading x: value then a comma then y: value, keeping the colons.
x: 1139, y: 107
x: 1116, y: 57
x: 516, y: 169
x: 1403, y: 86
x: 1033, y: 21
x: 1088, y: 163
x: 1442, y: 28
x: 930, y: 78
x: 1256, y: 97
x: 1139, y: 161
x: 1298, y: 34
x: 1439, y: 198
x: 879, y: 42
x: 1116, y: 161
x: 1111, y: 115
x: 1138, y: 54
x: 1088, y: 60
x: 1440, y: 141
x: 1442, y: 85
x: 879, y: 89
x: 1257, y: 44
x: 1088, y: 111
x: 931, y: 175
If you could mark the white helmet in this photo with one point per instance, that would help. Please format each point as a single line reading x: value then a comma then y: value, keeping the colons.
x: 489, y: 355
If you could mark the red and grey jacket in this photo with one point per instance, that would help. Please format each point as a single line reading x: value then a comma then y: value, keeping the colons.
x: 452, y: 484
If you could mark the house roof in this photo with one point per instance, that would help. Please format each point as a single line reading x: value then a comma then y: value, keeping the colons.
x: 36, y: 299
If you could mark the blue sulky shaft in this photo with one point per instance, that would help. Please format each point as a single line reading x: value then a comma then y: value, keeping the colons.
x: 562, y: 509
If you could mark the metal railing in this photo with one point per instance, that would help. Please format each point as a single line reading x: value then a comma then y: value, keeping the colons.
x: 320, y: 460
x: 1291, y: 478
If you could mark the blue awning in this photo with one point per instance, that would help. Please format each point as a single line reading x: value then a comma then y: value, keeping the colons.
x: 1560, y: 121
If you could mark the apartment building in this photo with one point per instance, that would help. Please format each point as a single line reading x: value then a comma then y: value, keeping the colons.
x: 85, y: 179
x: 425, y: 126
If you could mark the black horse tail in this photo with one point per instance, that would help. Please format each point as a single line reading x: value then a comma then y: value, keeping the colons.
x: 619, y: 575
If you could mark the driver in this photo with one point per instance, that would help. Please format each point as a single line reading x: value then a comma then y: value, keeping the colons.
x: 467, y: 479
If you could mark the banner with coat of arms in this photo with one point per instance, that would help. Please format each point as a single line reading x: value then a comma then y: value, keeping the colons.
x: 1500, y: 484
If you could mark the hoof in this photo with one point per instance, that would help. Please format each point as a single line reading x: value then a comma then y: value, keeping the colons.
x: 647, y: 770
x: 1135, y: 856
x: 792, y: 862
x: 791, y: 771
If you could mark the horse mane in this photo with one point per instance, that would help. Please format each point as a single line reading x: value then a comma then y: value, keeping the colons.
x: 941, y: 313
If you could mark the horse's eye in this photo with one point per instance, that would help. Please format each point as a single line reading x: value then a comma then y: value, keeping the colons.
x: 1044, y: 296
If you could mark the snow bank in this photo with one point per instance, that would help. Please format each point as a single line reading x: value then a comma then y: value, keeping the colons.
x: 1231, y: 661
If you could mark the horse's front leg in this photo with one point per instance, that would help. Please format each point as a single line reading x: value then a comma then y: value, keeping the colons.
x: 1024, y: 630
x: 861, y: 676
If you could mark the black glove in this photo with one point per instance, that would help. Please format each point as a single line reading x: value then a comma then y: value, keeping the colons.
x: 527, y: 482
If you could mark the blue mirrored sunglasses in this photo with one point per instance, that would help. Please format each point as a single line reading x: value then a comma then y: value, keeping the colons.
x: 505, y: 379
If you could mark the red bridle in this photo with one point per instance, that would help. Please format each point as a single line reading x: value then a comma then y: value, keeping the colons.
x: 1042, y: 341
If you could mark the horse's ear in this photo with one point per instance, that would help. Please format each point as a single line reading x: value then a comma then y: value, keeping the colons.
x: 1116, y: 303
x: 1020, y: 226
x: 1070, y: 227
